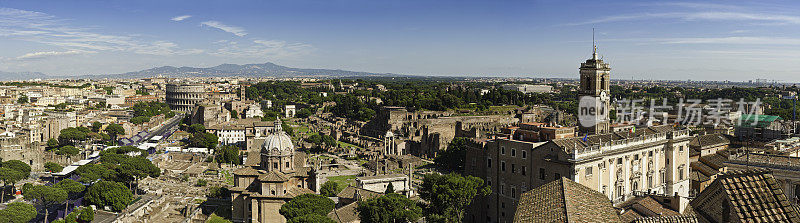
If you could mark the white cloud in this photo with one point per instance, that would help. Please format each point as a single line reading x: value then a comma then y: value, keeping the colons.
x: 238, y: 31
x: 271, y: 49
x: 39, y: 55
x: 744, y: 40
x: 699, y: 12
x: 180, y: 18
x: 47, y: 29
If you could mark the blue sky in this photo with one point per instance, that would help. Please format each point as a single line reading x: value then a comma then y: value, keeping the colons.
x: 727, y: 40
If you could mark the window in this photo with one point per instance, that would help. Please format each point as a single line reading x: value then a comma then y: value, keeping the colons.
x: 524, y: 154
x: 680, y: 173
x: 503, y: 150
x: 513, y: 152
x: 275, y: 165
x: 619, y: 161
x: 513, y: 168
x: 502, y: 165
x: 588, y: 172
x: 541, y: 173
x: 667, y: 160
x: 489, y: 163
x: 287, y: 164
x: 680, y: 148
x: 523, y: 170
x: 513, y: 192
x: 636, y: 157
x: 501, y: 189
x: 557, y: 176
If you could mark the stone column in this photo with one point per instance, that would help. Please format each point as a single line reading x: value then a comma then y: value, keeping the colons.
x: 254, y: 211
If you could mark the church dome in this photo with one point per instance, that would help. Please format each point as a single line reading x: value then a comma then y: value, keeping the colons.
x: 278, y: 143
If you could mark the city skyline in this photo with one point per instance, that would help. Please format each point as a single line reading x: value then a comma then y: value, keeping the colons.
x: 641, y: 40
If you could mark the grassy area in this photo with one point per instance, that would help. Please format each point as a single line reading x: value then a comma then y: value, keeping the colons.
x: 344, y: 180
x: 302, y: 129
x: 228, y: 177
x: 320, y: 157
x: 347, y: 145
x: 503, y: 108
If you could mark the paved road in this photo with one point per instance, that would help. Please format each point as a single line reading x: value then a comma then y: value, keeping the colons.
x: 169, y: 125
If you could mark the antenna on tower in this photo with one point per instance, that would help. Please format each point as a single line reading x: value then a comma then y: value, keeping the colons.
x: 594, y: 47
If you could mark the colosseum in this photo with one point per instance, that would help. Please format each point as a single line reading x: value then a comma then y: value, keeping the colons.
x: 183, y: 97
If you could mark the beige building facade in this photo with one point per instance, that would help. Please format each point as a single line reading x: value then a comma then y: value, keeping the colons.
x: 270, y: 178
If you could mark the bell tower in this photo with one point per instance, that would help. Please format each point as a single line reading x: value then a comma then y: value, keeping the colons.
x: 595, y: 92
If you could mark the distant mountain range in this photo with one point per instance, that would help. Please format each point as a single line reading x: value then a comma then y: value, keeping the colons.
x: 223, y: 70
x: 8, y: 76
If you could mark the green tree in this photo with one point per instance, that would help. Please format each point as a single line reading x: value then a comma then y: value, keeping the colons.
x: 22, y: 99
x: 453, y: 158
x: 329, y: 189
x: 287, y: 128
x: 228, y: 154
x: 218, y: 192
x: 87, y: 214
x: 389, y: 189
x: 448, y: 195
x: 18, y: 212
x: 140, y: 120
x: 306, y: 204
x: 9, y: 177
x: 203, y: 140
x: 201, y: 183
x: 195, y: 128
x: 26, y: 187
x: 389, y: 208
x: 71, y: 217
x: 46, y: 196
x: 18, y: 166
x: 234, y: 114
x: 70, y: 136
x: 351, y: 107
x: 12, y: 171
x: 132, y: 169
x: 108, y: 193
x: 52, y: 143
x: 214, y: 218
x: 303, y: 113
x: 114, y: 130
x: 311, y: 218
x: 68, y: 151
x: 90, y: 173
x: 53, y: 167
x: 72, y: 188
x: 96, y: 126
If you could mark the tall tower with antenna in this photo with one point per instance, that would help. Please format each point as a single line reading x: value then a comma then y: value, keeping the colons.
x: 595, y: 85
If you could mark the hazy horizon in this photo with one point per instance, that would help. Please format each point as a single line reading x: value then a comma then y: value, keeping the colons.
x: 657, y: 40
